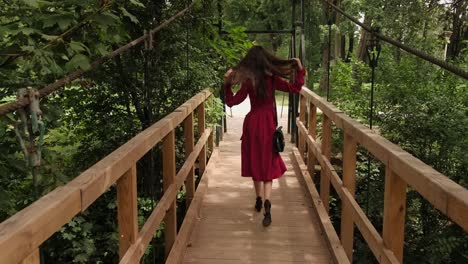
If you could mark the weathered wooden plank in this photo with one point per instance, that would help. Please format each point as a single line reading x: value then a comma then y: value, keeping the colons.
x: 178, y: 251
x: 337, y: 250
x: 188, y: 145
x: 127, y: 210
x: 394, y: 213
x: 349, y: 182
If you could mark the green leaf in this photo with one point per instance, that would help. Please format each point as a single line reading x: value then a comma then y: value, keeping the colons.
x: 33, y: 3
x: 130, y: 16
x: 106, y: 19
x: 137, y: 3
x: 79, y: 47
x: 101, y: 49
x: 78, y: 61
x: 48, y: 37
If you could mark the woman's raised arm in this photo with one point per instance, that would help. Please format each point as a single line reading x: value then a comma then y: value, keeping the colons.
x: 294, y: 87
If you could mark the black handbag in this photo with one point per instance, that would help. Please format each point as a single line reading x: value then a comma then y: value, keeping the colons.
x: 278, y: 137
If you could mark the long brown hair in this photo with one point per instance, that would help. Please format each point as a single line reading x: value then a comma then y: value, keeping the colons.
x: 258, y: 62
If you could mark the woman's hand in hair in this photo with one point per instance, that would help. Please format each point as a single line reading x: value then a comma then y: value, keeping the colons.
x: 228, y: 74
x: 299, y: 64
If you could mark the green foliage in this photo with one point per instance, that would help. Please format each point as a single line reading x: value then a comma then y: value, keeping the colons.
x: 214, y: 111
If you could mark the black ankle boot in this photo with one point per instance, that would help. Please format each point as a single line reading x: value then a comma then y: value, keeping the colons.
x: 267, y: 219
x: 258, y: 204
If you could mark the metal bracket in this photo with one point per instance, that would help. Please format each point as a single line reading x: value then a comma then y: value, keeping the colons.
x: 29, y: 126
x: 373, y: 48
x: 148, y: 40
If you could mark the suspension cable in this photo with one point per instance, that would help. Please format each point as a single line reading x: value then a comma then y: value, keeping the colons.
x: 373, y: 52
x: 48, y: 89
x: 329, y: 22
x: 450, y: 67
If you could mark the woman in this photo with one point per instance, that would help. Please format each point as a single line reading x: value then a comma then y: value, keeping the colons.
x: 260, y: 73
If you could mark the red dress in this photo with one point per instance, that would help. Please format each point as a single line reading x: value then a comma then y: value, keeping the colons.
x: 259, y: 161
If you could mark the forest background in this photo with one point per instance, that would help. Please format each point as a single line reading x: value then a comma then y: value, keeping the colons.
x: 419, y: 106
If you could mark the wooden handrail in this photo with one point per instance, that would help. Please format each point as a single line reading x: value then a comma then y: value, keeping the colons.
x: 402, y: 170
x: 23, y: 233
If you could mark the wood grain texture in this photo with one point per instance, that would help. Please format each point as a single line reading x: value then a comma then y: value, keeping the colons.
x: 394, y: 213
x: 127, y: 210
x: 201, y: 129
x: 312, y: 131
x: 169, y: 173
x: 302, y: 118
x: 188, y: 146
x: 326, y: 151
x: 349, y: 182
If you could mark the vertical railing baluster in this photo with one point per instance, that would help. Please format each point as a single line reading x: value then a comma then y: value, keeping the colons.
x: 189, y: 144
x: 169, y: 172
x: 394, y: 213
x: 302, y: 118
x: 349, y: 182
x: 201, y: 129
x: 311, y: 160
x: 326, y: 150
x: 127, y: 210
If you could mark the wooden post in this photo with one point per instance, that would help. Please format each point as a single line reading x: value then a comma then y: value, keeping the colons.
x: 302, y: 118
x: 210, y: 141
x: 34, y: 258
x: 169, y: 172
x: 201, y: 129
x: 127, y: 210
x: 311, y: 160
x: 349, y: 182
x: 326, y: 150
x: 189, y: 143
x: 394, y: 213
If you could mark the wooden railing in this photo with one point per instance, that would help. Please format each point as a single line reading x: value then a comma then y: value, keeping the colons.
x: 22, y: 234
x: 401, y: 170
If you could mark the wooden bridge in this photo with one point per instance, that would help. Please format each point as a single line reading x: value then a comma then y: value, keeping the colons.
x: 221, y: 225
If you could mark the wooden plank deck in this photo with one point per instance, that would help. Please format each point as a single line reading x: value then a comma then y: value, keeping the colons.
x: 231, y: 231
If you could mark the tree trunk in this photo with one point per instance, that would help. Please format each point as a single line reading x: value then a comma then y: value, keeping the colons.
x: 324, y: 62
x: 343, y: 47
x: 361, y: 52
x: 351, y: 46
x: 458, y: 28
